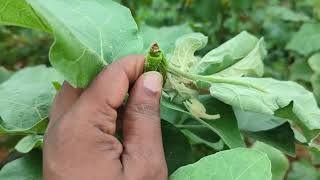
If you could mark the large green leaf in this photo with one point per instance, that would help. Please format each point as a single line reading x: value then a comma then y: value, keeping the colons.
x: 89, y: 34
x: 239, y: 164
x: 20, y: 13
x: 229, y: 53
x: 266, y: 95
x: 164, y: 36
x: 26, y: 97
x: 25, y: 168
x: 279, y: 162
x: 306, y: 40
x: 176, y: 146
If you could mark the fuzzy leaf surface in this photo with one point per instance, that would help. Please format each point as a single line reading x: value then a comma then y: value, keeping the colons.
x: 239, y: 164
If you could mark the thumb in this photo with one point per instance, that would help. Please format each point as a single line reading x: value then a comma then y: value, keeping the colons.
x: 141, y: 123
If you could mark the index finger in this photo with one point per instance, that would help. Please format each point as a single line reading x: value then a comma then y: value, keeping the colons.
x: 99, y: 102
x: 112, y: 84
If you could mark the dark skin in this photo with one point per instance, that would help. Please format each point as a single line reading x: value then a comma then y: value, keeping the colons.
x: 80, y: 142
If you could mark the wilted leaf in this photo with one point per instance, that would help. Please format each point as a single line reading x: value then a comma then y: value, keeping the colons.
x: 228, y: 54
x: 266, y: 95
x: 251, y: 65
x: 185, y: 47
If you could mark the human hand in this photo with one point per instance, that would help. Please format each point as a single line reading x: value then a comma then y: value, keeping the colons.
x: 80, y: 143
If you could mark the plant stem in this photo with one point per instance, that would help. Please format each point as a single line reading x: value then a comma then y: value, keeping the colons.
x: 189, y: 126
x: 212, y: 79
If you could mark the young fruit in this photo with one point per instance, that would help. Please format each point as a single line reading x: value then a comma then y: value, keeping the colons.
x: 156, y: 61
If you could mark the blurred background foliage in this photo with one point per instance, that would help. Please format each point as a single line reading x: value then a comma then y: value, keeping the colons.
x: 291, y: 29
x: 277, y: 21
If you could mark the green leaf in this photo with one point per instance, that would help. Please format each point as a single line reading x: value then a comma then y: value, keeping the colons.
x: 38, y: 128
x: 253, y: 122
x: 306, y: 40
x: 25, y: 168
x: 20, y: 13
x: 315, y: 80
x: 240, y: 164
x: 164, y: 36
x: 185, y: 47
x: 286, y: 14
x: 29, y: 142
x: 315, y: 155
x: 314, y: 63
x: 4, y: 74
x: 226, y: 127
x: 266, y: 95
x: 229, y: 54
x: 201, y: 135
x: 251, y: 65
x: 303, y: 169
x: 26, y: 97
x: 177, y: 148
x: 281, y: 137
x: 279, y: 162
x: 89, y: 34
x: 300, y: 70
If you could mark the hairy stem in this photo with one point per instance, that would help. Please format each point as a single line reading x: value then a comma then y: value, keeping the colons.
x: 190, y: 126
x: 211, y: 79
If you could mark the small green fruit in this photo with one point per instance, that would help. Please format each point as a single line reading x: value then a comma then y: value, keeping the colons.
x: 156, y: 61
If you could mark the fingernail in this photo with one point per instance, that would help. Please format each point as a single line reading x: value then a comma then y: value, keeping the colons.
x: 153, y: 81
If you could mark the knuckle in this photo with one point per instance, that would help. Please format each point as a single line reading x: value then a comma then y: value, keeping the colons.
x: 104, y: 113
x: 109, y: 144
x: 106, y: 127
